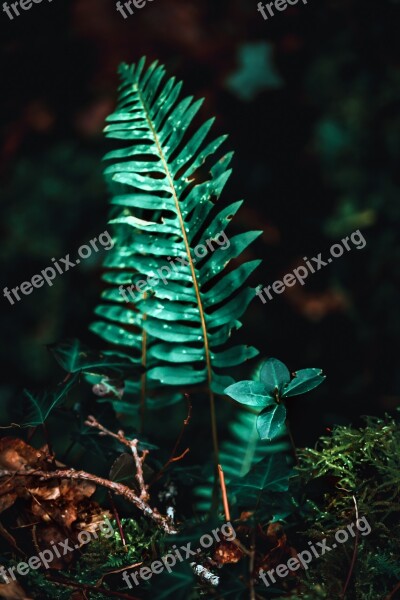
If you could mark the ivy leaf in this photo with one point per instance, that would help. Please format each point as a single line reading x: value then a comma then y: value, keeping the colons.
x: 43, y: 404
x: 264, y: 483
x: 72, y: 356
x: 274, y: 374
x: 250, y: 393
x: 304, y: 380
x: 270, y: 421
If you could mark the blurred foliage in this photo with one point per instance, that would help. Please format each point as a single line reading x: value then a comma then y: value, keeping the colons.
x: 316, y: 158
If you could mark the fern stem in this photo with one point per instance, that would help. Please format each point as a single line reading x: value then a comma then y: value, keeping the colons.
x: 143, y: 376
x: 170, y: 179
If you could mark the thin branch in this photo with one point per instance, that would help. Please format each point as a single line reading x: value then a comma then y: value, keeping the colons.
x: 117, y: 488
x: 392, y: 593
x: 126, y: 568
x: 224, y: 494
x: 235, y: 541
x: 251, y: 565
x: 132, y: 444
x: 174, y: 458
x: 353, y: 560
x: 118, y: 520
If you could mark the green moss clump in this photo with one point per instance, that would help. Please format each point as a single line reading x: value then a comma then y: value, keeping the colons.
x: 361, y: 465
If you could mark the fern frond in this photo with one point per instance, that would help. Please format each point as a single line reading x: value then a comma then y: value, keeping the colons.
x: 179, y: 331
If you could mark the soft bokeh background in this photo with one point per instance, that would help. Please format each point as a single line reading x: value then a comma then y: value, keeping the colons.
x: 311, y: 101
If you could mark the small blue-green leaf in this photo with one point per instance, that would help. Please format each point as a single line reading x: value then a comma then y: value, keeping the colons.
x: 274, y: 374
x: 251, y: 393
x: 304, y: 381
x: 271, y: 421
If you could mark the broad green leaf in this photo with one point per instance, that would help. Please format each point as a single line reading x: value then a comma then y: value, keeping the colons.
x: 274, y: 374
x: 250, y: 393
x: 304, y: 381
x: 271, y: 421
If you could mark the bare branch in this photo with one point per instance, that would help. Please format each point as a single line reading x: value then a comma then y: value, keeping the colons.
x: 132, y: 444
x: 117, y: 488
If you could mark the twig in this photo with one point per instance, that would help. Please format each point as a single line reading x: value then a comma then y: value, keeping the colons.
x: 174, y: 458
x: 251, y: 565
x: 224, y: 494
x: 235, y: 541
x: 392, y: 593
x: 116, y: 516
x: 117, y: 488
x: 126, y: 568
x: 91, y: 588
x: 353, y: 560
x: 132, y: 444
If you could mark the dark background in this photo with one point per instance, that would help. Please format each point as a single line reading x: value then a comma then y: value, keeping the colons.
x: 313, y: 117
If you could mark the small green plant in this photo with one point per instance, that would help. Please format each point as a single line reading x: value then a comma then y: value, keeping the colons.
x: 270, y: 391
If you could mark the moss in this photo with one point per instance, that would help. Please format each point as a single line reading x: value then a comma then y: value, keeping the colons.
x: 361, y: 465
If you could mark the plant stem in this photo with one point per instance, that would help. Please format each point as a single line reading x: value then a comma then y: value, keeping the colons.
x: 173, y: 458
x: 224, y: 494
x: 251, y: 565
x: 392, y: 593
x: 116, y: 515
x: 296, y: 458
x: 353, y: 560
x: 143, y: 376
x: 171, y: 182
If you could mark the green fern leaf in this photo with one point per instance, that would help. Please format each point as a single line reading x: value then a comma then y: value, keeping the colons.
x: 178, y: 330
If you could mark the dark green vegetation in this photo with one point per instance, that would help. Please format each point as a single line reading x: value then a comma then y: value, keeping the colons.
x: 169, y: 351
